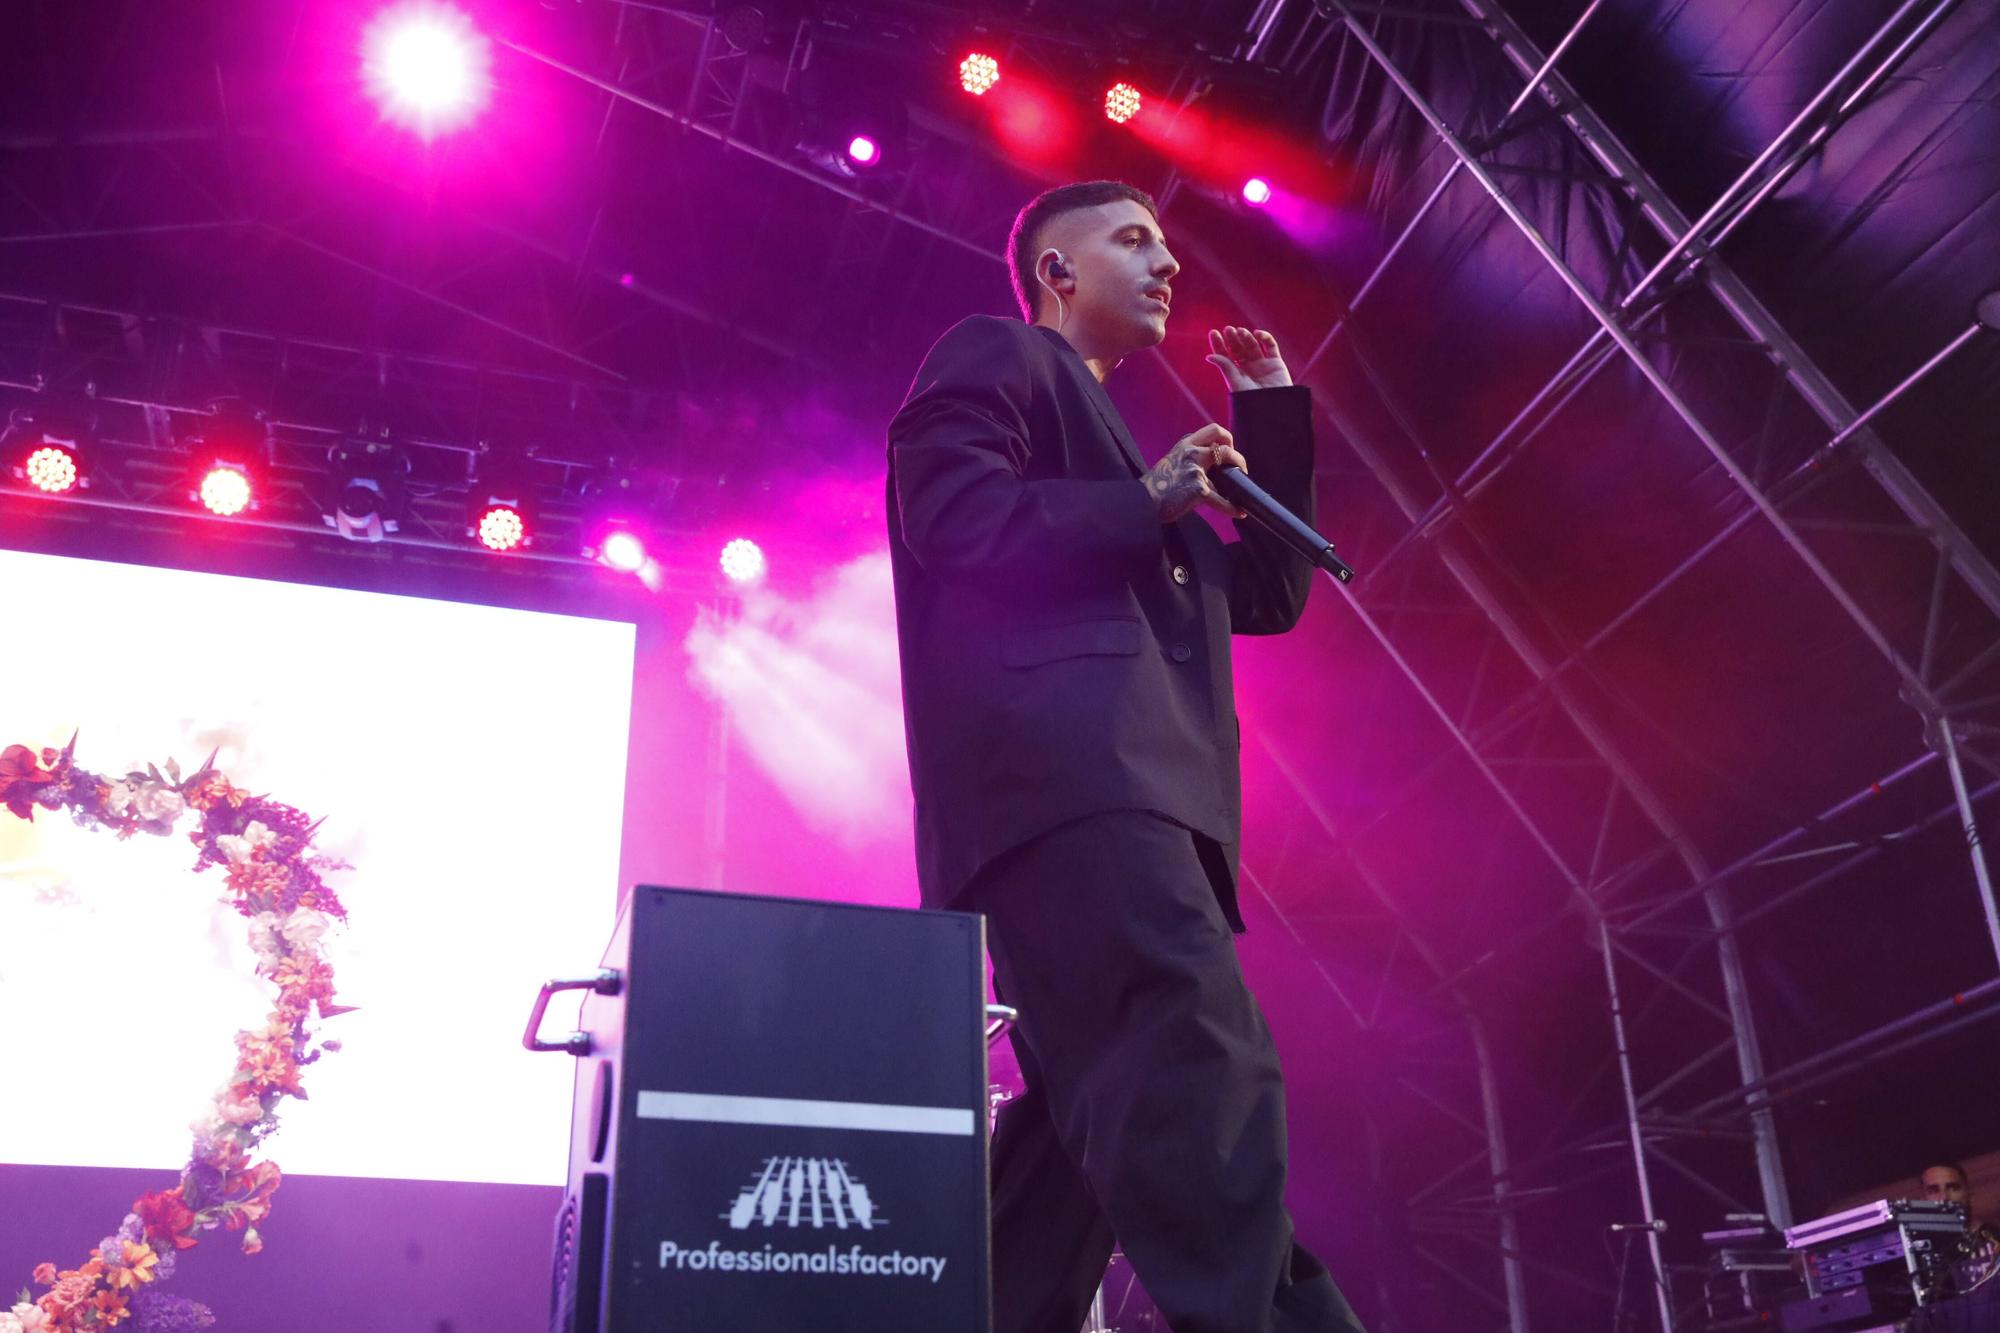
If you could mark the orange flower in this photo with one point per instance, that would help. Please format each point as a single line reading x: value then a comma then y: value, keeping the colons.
x: 73, y: 1287
x: 135, y: 1267
x: 111, y: 1308
x: 204, y: 792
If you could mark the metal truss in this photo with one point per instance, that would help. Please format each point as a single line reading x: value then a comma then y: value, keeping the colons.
x: 1849, y: 482
x: 138, y: 387
x: 200, y: 173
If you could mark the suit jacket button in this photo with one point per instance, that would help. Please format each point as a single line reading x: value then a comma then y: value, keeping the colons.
x: 1181, y: 574
x: 1180, y: 652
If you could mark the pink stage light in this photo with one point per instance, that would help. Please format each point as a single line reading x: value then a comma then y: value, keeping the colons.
x: 1121, y: 103
x: 427, y: 66
x: 743, y: 561
x: 977, y: 73
x: 623, y: 551
x: 51, y: 468
x: 864, y: 150
x: 1257, y: 191
x: 225, y: 490
x: 501, y: 528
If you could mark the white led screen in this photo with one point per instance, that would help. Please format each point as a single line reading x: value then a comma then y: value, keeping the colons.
x: 469, y: 762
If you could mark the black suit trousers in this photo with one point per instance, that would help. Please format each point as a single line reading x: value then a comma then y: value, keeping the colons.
x: 1154, y: 1109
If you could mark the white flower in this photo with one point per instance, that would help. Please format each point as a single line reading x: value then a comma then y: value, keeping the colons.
x: 254, y: 838
x: 30, y: 1317
x: 10, y: 1323
x: 119, y: 798
x: 303, y: 927
x: 265, y: 928
x: 156, y: 804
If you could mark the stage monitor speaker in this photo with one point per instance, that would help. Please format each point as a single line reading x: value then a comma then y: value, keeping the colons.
x: 779, y: 1122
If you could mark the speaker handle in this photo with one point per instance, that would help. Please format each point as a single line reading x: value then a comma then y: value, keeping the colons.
x: 605, y: 982
x: 1000, y: 1017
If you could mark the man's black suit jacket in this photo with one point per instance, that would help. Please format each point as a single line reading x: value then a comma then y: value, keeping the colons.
x: 1063, y: 652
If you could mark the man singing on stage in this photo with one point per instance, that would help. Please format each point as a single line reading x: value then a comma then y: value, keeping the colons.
x: 1064, y: 616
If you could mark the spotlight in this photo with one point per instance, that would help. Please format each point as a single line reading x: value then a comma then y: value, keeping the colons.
x: 743, y: 561
x: 225, y: 489
x: 50, y: 468
x: 501, y: 510
x: 228, y: 445
x: 1121, y: 103
x: 623, y: 551
x: 977, y: 73
x: 368, y: 489
x: 621, y: 510
x: 1256, y: 192
x: 500, y: 527
x: 426, y: 66
x: 846, y: 119
x: 44, y: 448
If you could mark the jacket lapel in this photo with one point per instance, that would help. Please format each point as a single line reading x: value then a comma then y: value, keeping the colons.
x: 1100, y: 401
x: 1107, y: 412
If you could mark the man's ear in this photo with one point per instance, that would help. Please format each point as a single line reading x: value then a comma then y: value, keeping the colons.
x: 1056, y: 270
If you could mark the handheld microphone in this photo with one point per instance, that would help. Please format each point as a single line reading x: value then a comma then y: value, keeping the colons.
x: 1657, y: 1224
x: 1235, y: 486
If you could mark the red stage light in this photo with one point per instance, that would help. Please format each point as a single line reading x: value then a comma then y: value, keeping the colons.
x: 1121, y: 102
x: 500, y: 527
x: 51, y: 468
x: 225, y: 490
x: 977, y: 73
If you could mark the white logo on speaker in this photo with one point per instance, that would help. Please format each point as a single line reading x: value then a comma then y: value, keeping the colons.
x: 804, y: 1191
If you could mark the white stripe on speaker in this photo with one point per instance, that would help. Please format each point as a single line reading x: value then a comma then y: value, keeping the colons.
x: 714, y: 1108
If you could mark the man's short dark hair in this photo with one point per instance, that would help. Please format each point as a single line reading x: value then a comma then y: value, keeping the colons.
x: 1024, y: 242
x: 1949, y: 1165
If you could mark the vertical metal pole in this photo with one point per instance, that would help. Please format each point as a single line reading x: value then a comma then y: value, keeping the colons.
x: 1749, y: 1056
x: 1639, y: 1168
x: 1949, y: 747
x: 1497, y: 1163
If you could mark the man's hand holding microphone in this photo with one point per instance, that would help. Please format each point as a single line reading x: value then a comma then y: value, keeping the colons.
x: 1179, y: 483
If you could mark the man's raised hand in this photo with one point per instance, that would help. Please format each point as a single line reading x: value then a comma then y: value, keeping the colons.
x: 1247, y: 358
x: 1179, y: 482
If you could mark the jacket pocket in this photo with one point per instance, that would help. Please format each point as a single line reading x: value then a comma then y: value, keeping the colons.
x: 1083, y: 638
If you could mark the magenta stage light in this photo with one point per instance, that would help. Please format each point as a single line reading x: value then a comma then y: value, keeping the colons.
x: 743, y: 561
x: 50, y: 468
x: 623, y: 551
x: 225, y: 490
x: 1257, y: 191
x: 500, y: 528
x: 1121, y: 103
x: 864, y: 150
x: 977, y: 73
x: 427, y: 67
